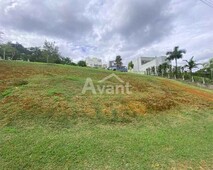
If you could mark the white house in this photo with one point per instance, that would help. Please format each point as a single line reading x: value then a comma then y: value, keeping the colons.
x: 93, y: 62
x: 141, y: 64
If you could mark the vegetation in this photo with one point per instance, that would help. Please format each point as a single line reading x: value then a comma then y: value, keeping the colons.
x: 118, y: 61
x: 207, y: 70
x: 46, y: 123
x: 130, y: 65
x: 204, y: 75
x: 209, y: 64
x: 191, y: 64
x: 49, y: 53
x: 82, y: 63
x: 163, y: 69
x: 175, y: 55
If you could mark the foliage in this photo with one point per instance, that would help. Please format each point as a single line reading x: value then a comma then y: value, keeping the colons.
x: 48, y: 54
x: 191, y: 64
x: 175, y: 55
x: 7, y: 51
x: 82, y: 63
x: 207, y: 70
x: 130, y: 65
x: 163, y: 69
x: 209, y: 64
x: 118, y: 61
x: 36, y: 55
x: 67, y: 61
x: 51, y: 52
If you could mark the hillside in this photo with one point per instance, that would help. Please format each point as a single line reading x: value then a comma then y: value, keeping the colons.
x: 42, y: 106
x: 53, y: 89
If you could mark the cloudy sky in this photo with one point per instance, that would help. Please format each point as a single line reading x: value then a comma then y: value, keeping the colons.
x: 106, y: 28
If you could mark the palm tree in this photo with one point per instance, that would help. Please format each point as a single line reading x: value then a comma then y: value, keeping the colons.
x: 191, y: 64
x: 209, y: 67
x: 175, y: 55
x: 209, y: 64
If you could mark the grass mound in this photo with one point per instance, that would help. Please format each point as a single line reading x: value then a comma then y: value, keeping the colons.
x: 48, y: 89
x: 47, y: 123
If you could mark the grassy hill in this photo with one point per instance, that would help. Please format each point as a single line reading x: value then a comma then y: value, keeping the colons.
x: 47, y: 123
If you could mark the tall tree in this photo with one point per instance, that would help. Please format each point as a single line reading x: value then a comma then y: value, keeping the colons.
x: 175, y: 55
x: 51, y: 52
x: 118, y: 61
x: 7, y: 51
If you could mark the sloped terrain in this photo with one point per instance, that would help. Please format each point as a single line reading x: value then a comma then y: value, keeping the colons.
x: 47, y: 123
x: 56, y: 91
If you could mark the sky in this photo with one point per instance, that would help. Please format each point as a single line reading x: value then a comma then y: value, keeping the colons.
x: 106, y: 28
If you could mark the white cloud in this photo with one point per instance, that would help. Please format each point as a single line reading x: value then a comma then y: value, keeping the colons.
x: 108, y: 28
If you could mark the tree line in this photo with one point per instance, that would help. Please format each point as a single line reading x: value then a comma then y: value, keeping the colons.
x: 49, y: 53
x: 186, y: 70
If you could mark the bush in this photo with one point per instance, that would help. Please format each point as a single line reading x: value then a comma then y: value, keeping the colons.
x: 82, y: 63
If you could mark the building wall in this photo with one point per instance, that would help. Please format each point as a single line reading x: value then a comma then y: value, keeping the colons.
x: 138, y: 62
x: 112, y: 63
x: 152, y: 62
x: 93, y: 62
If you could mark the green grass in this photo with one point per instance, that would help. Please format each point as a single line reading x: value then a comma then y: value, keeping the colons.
x: 179, y: 140
x: 46, y: 123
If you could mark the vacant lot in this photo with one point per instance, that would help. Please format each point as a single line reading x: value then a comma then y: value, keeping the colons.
x: 47, y: 123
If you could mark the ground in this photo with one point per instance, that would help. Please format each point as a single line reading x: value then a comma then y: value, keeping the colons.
x: 47, y: 123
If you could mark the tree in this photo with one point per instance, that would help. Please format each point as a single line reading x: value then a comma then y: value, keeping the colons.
x: 20, y: 51
x: 153, y: 70
x: 36, y: 55
x: 118, y: 61
x: 66, y: 60
x: 82, y: 63
x: 191, y: 64
x: 51, y: 52
x: 160, y: 70
x: 3, y: 51
x: 165, y: 67
x: 209, y: 64
x: 209, y: 67
x: 130, y: 65
x: 175, y: 55
x: 7, y: 51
